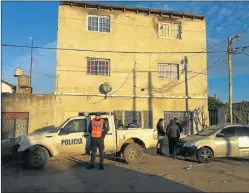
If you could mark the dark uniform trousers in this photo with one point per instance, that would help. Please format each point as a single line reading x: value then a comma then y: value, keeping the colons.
x: 97, y: 143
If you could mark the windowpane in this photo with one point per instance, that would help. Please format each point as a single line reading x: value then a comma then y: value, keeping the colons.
x: 104, y: 24
x: 133, y: 115
x: 76, y: 126
x: 243, y: 131
x: 98, y: 67
x: 168, y: 71
x: 229, y: 132
x: 170, y: 30
x: 93, y: 23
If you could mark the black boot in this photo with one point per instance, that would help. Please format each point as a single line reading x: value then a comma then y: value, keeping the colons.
x: 90, y: 167
x: 101, y: 166
x: 158, y: 151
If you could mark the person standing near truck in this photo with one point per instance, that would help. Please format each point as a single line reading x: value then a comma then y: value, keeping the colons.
x: 179, y: 125
x: 97, y: 129
x: 173, y: 133
x: 161, y: 134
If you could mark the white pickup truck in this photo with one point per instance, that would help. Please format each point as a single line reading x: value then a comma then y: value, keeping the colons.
x: 72, y: 138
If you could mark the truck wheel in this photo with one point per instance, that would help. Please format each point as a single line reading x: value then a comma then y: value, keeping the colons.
x: 36, y: 158
x: 132, y: 153
x: 205, y: 155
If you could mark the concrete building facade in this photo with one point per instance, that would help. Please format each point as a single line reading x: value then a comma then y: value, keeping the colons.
x: 141, y: 53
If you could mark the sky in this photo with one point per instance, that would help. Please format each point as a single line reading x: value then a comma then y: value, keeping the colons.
x: 22, y: 20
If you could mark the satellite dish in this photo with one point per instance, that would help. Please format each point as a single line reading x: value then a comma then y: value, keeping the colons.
x: 105, y: 88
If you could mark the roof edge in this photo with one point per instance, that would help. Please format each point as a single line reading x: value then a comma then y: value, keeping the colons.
x: 132, y: 9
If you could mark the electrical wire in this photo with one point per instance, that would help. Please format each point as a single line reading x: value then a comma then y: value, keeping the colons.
x: 210, y: 66
x: 243, y: 54
x: 37, y: 73
x: 110, y: 51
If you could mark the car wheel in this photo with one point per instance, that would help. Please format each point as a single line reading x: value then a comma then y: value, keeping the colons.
x: 36, y: 158
x: 205, y: 155
x: 133, y: 153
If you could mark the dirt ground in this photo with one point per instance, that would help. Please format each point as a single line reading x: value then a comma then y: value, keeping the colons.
x: 152, y: 173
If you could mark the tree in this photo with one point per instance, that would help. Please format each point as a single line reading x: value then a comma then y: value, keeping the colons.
x: 214, y: 102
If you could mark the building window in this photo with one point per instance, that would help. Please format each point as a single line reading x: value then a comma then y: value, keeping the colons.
x: 168, y: 71
x: 131, y: 116
x: 169, y: 30
x: 99, y: 23
x: 144, y: 119
x: 100, y: 67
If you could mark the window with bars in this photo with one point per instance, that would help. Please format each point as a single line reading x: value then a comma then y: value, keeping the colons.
x: 168, y: 71
x: 100, y: 67
x: 144, y: 118
x: 99, y: 23
x: 169, y: 30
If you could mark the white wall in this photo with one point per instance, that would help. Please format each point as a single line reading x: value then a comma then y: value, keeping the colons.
x: 6, y: 88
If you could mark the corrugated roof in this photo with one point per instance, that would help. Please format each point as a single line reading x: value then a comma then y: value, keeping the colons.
x: 132, y: 9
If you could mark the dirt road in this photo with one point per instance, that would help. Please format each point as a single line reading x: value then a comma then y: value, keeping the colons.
x: 152, y: 173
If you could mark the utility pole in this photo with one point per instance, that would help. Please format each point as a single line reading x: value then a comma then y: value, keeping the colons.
x: 186, y: 82
x: 31, y: 62
x: 230, y: 52
x: 230, y: 103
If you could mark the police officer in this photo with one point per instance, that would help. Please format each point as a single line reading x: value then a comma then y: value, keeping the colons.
x: 98, y: 129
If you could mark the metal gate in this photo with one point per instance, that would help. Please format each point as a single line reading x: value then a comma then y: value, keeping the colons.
x: 185, y: 118
x: 14, y: 124
x: 213, y: 117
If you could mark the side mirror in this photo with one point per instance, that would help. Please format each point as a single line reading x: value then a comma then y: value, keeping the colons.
x: 220, y: 135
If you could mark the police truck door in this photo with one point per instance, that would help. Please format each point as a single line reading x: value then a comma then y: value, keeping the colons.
x: 73, y: 137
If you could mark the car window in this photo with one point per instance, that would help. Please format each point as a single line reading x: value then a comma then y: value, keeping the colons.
x: 106, y: 122
x: 229, y: 132
x: 77, y: 125
x: 243, y: 131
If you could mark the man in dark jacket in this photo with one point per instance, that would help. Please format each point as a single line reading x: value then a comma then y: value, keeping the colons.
x: 173, y: 133
x: 179, y: 125
x: 161, y: 134
x: 98, y: 130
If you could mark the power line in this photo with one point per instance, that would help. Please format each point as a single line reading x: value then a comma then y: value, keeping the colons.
x: 109, y: 51
x: 37, y: 73
x: 243, y: 54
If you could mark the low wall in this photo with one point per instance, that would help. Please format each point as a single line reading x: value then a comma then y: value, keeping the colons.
x: 39, y: 107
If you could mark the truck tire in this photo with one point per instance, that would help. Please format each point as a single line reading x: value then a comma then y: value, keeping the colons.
x: 205, y: 155
x: 133, y: 153
x: 36, y: 158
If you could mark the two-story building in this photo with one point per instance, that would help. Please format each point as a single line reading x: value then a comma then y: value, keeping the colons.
x: 146, y: 55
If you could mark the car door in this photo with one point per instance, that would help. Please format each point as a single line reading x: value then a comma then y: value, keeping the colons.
x: 226, y: 143
x: 109, y: 138
x: 243, y: 140
x: 73, y: 137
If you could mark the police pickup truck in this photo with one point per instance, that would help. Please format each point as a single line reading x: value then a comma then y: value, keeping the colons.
x: 72, y: 138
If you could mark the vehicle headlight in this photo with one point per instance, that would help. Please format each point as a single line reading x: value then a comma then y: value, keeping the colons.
x: 189, y: 144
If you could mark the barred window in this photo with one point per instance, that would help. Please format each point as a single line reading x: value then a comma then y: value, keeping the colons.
x: 169, y: 30
x: 99, y: 23
x: 168, y: 71
x: 133, y: 115
x: 100, y: 67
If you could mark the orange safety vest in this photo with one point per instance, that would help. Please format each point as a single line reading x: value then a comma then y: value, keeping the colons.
x: 97, y: 127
